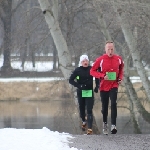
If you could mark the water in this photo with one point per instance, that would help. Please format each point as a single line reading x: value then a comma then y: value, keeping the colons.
x: 124, y: 123
x: 59, y: 115
x: 56, y: 115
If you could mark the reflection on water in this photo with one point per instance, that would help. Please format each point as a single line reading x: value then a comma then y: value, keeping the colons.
x: 56, y: 115
x: 59, y: 115
x: 124, y: 123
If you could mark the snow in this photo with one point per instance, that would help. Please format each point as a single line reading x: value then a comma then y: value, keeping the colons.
x: 39, y: 66
x: 45, y: 79
x: 34, y: 139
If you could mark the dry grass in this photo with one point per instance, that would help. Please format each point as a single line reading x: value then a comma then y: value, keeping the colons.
x: 34, y: 90
x: 47, y: 90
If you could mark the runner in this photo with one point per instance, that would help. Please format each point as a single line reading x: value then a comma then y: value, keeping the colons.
x: 111, y: 74
x: 82, y: 79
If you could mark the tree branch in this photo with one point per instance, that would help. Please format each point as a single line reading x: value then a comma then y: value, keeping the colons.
x: 18, y: 5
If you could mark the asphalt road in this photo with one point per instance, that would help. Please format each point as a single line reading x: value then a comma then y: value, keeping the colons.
x: 111, y: 142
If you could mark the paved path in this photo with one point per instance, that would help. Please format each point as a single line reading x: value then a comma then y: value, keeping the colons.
x: 111, y: 142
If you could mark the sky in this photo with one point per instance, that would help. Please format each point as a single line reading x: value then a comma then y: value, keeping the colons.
x: 35, y: 139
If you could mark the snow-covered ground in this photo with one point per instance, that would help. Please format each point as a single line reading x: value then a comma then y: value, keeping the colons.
x: 39, y: 66
x: 33, y: 139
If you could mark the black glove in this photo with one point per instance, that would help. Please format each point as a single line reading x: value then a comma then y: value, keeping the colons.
x: 82, y: 86
x: 96, y: 89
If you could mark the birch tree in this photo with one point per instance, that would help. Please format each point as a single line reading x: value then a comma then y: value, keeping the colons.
x: 55, y: 9
x: 132, y: 44
x: 65, y: 63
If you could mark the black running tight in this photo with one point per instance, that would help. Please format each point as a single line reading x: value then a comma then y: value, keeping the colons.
x: 105, y: 95
x: 86, y: 104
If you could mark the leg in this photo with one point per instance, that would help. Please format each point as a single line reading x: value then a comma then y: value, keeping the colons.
x: 81, y: 102
x: 113, y: 98
x: 105, y: 101
x: 89, y: 105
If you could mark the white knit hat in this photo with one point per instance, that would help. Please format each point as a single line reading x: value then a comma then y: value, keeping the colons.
x: 82, y: 57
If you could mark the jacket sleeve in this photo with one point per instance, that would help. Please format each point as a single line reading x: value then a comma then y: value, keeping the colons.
x: 94, y: 70
x: 121, y: 69
x: 72, y: 78
x: 97, y: 82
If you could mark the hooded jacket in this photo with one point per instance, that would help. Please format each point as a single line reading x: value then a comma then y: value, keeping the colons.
x: 108, y: 64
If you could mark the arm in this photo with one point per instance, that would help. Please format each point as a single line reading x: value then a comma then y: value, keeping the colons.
x: 94, y: 69
x: 97, y: 81
x: 72, y: 78
x: 121, y: 67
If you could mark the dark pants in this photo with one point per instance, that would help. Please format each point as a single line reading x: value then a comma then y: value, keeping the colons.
x: 86, y: 104
x: 105, y: 95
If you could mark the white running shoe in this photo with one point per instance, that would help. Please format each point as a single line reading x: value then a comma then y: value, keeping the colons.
x: 113, y: 129
x: 105, y: 128
x: 83, y: 126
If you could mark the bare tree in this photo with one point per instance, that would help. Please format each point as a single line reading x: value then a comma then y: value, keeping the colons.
x: 28, y: 49
x: 55, y: 9
x: 60, y: 42
x: 6, y: 13
x: 132, y: 44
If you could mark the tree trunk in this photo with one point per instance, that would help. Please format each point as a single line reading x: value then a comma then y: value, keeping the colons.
x: 54, y: 57
x: 7, y: 37
x: 32, y: 57
x: 6, y: 14
x: 24, y: 55
x: 55, y: 12
x: 132, y: 107
x: 136, y: 57
x: 145, y: 114
x: 132, y: 44
x: 61, y: 45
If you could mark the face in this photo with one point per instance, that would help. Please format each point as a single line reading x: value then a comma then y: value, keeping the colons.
x: 109, y: 49
x: 85, y: 63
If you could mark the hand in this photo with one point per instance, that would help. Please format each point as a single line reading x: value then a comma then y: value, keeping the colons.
x: 119, y: 81
x: 105, y: 77
x: 96, y: 89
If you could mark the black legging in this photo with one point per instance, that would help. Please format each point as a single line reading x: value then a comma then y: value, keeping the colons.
x: 87, y: 102
x: 105, y: 95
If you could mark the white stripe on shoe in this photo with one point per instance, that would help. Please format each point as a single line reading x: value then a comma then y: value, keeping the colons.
x: 113, y: 129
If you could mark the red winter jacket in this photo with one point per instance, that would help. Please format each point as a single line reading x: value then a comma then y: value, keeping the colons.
x: 108, y: 64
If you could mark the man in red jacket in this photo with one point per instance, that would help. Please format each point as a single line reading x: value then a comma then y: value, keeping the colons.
x: 110, y: 75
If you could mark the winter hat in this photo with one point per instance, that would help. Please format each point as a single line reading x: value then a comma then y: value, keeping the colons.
x: 82, y: 57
